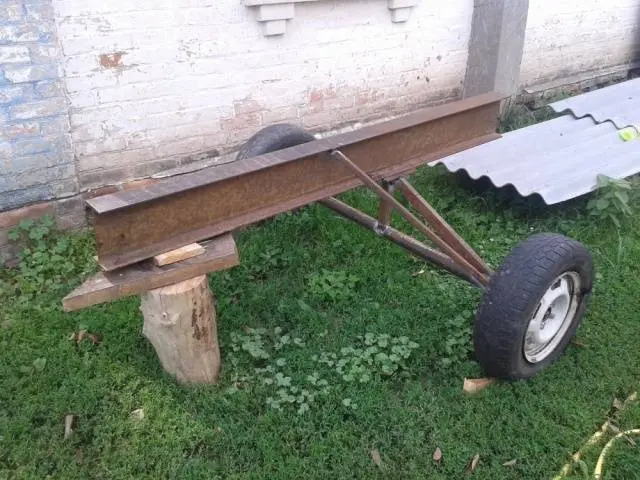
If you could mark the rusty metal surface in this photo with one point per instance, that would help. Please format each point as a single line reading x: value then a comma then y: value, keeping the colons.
x: 133, y: 225
x: 405, y: 241
x: 385, y: 209
x: 376, y: 132
x: 441, y: 227
x: 451, y: 252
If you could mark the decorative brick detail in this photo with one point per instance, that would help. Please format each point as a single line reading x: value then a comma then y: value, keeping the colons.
x: 401, y: 10
x: 273, y: 14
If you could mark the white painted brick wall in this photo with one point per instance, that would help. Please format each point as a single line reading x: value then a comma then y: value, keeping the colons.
x: 153, y: 81
x: 565, y: 37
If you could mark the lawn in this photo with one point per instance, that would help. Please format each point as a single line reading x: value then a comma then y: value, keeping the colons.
x: 295, y: 319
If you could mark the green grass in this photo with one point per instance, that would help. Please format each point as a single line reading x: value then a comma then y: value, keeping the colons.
x: 519, y: 116
x: 228, y: 430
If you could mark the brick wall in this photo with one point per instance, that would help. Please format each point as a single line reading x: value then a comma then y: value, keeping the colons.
x: 35, y: 147
x: 154, y: 83
x: 565, y: 38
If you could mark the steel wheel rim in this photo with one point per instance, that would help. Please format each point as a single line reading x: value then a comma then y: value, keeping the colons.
x: 552, y: 318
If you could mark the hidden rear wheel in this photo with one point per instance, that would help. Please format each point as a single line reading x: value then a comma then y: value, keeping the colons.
x: 533, y: 306
x: 273, y: 138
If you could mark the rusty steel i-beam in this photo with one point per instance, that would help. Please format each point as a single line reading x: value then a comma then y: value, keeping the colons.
x: 131, y: 226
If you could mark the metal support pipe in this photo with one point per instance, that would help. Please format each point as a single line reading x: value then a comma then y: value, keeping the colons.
x: 385, y: 209
x: 441, y: 227
x: 411, y: 218
x: 405, y: 241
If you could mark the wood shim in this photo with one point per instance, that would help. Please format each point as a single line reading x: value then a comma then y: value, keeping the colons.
x: 179, y: 254
x: 472, y: 386
x: 220, y: 254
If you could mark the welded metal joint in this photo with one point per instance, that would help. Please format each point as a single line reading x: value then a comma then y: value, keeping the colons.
x: 389, y: 185
x: 385, y: 209
x: 381, y: 229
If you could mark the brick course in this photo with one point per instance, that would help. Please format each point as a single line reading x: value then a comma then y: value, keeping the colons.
x: 34, y: 128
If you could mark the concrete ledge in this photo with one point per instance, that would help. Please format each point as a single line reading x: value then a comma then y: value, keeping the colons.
x: 273, y: 14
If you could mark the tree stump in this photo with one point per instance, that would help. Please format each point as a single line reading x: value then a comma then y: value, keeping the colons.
x: 180, y: 323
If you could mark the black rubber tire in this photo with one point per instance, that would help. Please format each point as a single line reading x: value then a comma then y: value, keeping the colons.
x: 274, y: 138
x: 512, y: 297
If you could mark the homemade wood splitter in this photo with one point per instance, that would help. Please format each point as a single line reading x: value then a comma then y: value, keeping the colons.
x: 532, y: 304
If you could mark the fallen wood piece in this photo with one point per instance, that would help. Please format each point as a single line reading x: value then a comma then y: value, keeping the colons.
x: 179, y: 254
x: 68, y: 426
x: 473, y: 464
x: 437, y: 455
x: 476, y: 385
x: 180, y: 323
x: 220, y: 253
x: 597, y: 472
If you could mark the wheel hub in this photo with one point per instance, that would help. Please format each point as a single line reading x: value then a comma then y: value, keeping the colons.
x: 552, y: 318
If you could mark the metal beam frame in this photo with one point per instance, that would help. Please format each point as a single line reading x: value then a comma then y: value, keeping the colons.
x: 131, y: 226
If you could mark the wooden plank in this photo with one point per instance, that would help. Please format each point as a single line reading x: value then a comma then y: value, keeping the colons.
x: 179, y: 254
x: 220, y: 254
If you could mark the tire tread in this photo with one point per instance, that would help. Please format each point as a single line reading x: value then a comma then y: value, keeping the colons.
x: 514, y: 289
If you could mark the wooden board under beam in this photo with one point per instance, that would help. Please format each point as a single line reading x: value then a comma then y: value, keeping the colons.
x: 179, y: 254
x: 220, y: 253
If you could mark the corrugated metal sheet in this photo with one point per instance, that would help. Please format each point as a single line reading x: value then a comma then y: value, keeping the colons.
x: 619, y: 103
x: 558, y: 159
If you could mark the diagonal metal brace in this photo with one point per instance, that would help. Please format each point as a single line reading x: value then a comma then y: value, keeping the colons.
x: 470, y: 269
x: 441, y: 227
x: 405, y: 241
